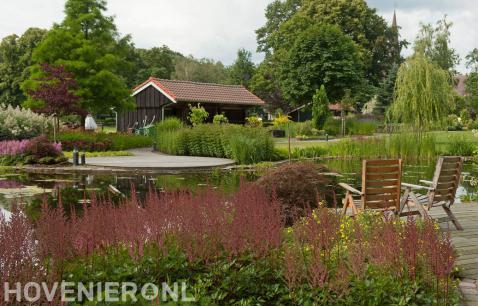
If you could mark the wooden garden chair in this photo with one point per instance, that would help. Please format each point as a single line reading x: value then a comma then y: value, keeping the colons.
x: 441, y: 191
x: 381, y: 188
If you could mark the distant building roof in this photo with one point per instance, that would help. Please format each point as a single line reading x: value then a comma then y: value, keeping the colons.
x: 186, y: 91
x: 460, y: 85
x: 338, y: 107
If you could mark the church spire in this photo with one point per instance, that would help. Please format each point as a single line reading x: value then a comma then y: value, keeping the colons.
x: 394, y: 22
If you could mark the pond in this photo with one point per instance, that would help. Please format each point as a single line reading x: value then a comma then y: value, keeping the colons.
x: 31, y: 188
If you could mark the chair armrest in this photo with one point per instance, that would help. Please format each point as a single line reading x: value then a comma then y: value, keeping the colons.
x: 350, y: 188
x: 412, y: 186
x: 426, y: 182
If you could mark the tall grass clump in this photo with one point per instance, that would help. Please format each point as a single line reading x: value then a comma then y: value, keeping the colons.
x: 243, y: 144
x: 408, y: 146
x: 459, y: 146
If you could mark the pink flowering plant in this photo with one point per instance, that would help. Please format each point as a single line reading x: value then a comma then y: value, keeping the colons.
x: 35, y: 150
x: 235, y: 249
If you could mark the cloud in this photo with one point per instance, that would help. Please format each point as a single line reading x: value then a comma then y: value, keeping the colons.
x: 464, y: 33
x: 218, y: 28
x: 207, y: 28
x: 445, y: 5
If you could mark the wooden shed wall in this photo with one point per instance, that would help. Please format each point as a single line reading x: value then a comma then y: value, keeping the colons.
x: 148, y: 106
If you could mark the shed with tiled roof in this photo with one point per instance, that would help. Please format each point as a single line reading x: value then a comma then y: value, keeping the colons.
x: 157, y: 99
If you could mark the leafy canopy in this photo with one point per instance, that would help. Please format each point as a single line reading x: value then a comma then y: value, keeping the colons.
x: 242, y: 70
x: 53, y: 94
x: 423, y: 95
x: 434, y: 43
x: 322, y: 54
x: 88, y: 45
x: 15, y: 58
x: 377, y: 47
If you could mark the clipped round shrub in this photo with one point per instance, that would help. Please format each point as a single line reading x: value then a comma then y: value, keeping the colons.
x: 297, y: 186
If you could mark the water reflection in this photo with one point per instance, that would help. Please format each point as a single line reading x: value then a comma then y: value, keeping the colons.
x: 73, y: 188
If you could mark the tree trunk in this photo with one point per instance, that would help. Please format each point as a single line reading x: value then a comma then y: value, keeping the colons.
x: 82, y: 123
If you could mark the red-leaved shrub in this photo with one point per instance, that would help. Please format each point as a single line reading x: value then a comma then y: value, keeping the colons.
x: 41, y: 147
x: 297, y: 186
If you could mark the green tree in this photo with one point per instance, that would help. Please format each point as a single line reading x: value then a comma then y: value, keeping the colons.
x: 15, y: 58
x: 322, y: 54
x: 424, y: 94
x: 386, y: 90
x: 434, y: 43
x: 202, y: 70
x: 320, y: 108
x: 472, y: 60
x: 346, y: 103
x: 242, y: 70
x: 265, y: 84
x: 88, y: 45
x: 378, y: 41
x: 155, y: 62
x: 471, y: 87
x: 277, y: 13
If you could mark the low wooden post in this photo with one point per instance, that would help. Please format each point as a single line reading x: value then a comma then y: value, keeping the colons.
x: 288, y: 128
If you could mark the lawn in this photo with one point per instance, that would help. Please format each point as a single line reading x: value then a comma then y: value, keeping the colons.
x: 448, y: 136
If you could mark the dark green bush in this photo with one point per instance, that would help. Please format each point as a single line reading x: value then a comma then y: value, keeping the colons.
x: 358, y: 127
x: 352, y: 126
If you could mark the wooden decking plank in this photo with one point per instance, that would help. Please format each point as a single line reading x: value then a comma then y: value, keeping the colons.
x: 465, y: 242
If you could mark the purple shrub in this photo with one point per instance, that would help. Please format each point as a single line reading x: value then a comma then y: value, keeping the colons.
x: 41, y: 147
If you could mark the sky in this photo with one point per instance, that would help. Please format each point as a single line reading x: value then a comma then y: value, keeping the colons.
x: 218, y: 28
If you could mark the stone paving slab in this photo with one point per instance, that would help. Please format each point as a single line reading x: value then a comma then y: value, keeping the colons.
x: 145, y: 159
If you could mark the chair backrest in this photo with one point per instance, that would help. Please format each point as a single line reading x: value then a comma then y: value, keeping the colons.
x: 381, y: 180
x: 446, y: 180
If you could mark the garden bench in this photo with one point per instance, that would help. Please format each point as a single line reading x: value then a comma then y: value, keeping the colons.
x: 441, y: 191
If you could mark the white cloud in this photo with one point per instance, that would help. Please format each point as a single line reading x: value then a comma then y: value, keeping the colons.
x: 218, y: 28
x: 464, y: 33
x: 207, y: 28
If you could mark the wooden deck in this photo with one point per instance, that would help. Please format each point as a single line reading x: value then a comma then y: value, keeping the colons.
x: 466, y: 244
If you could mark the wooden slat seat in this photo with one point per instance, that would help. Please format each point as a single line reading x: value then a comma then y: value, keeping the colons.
x: 381, y: 187
x: 441, y: 190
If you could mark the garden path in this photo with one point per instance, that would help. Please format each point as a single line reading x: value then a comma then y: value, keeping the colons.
x: 145, y: 159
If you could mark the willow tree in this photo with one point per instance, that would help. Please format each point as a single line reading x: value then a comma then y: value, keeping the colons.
x: 423, y: 94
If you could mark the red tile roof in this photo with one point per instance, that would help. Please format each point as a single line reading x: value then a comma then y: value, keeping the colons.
x: 338, y: 107
x: 186, y: 91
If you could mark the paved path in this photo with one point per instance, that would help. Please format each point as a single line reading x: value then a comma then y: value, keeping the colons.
x: 145, y: 159
x: 466, y: 244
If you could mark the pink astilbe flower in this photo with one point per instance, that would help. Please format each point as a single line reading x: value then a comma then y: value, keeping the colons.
x: 203, y: 225
x: 13, y: 147
x: 18, y: 259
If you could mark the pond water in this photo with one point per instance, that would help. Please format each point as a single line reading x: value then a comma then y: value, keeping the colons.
x: 31, y: 188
